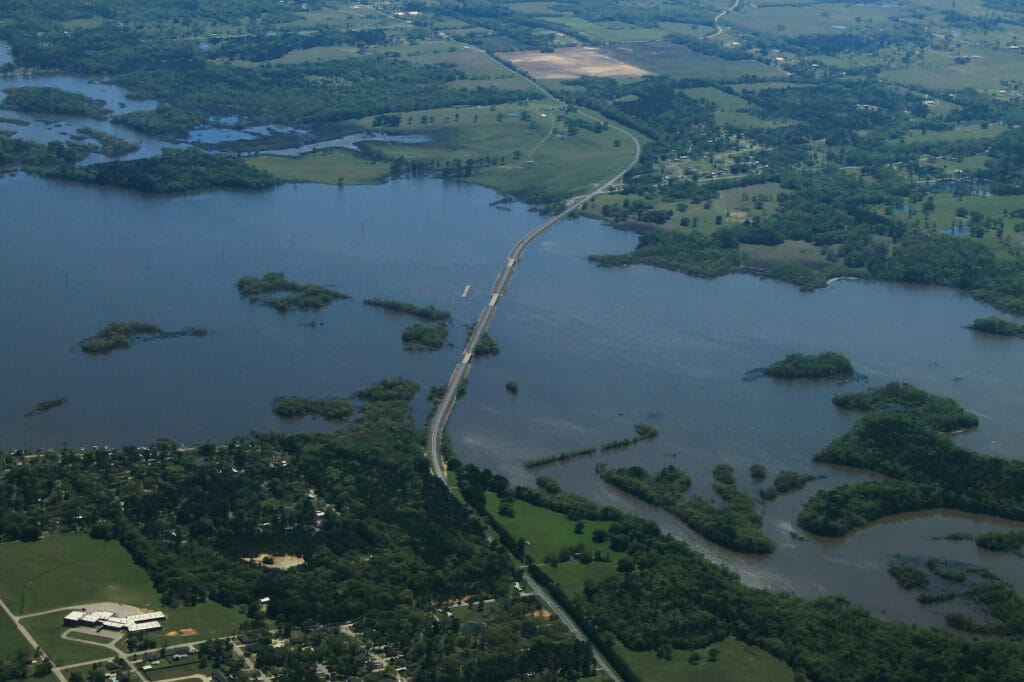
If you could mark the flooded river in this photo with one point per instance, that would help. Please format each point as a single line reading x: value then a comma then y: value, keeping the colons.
x: 593, y: 350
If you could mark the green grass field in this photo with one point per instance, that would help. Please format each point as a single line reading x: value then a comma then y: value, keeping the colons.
x: 325, y: 167
x: 474, y: 64
x: 47, y: 632
x: 955, y: 135
x: 737, y: 662
x: 537, y: 158
x: 73, y: 570
x: 669, y: 59
x: 946, y: 205
x: 11, y: 641
x: 548, y: 532
x: 797, y: 21
x: 939, y: 72
x: 803, y: 254
x: 208, y: 619
x: 732, y: 109
x: 70, y: 570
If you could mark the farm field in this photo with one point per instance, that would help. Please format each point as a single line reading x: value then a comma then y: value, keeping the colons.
x: 572, y: 62
x: 679, y: 61
x: 938, y: 71
x: 529, y: 157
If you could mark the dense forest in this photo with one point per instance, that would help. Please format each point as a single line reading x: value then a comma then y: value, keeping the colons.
x: 997, y: 326
x: 670, y: 596
x: 175, y: 170
x: 390, y: 545
x: 424, y: 337
x: 47, y: 100
x: 736, y: 524
x: 903, y: 439
x: 941, y: 413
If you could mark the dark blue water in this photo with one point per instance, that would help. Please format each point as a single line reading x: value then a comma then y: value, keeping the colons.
x: 85, y: 256
x: 596, y: 350
x: 593, y: 350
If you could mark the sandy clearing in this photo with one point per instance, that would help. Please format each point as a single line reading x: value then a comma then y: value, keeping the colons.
x: 572, y: 62
x: 282, y: 562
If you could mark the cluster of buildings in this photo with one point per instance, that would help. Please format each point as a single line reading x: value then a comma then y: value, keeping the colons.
x: 142, y: 622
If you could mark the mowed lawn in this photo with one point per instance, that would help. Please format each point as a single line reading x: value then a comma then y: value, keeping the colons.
x: 64, y: 571
x: 548, y: 532
x: 11, y: 641
x: 71, y: 570
x: 200, y: 622
x: 47, y: 632
x: 737, y: 662
x: 190, y: 624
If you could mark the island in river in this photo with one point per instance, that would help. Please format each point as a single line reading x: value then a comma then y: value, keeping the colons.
x: 121, y: 335
x: 276, y: 291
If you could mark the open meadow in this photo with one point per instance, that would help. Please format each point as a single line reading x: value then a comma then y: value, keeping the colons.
x: 519, y: 149
x: 733, y: 662
x: 62, y: 572
x: 69, y: 570
x: 11, y: 641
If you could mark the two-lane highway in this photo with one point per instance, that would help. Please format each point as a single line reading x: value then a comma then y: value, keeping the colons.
x: 483, y: 323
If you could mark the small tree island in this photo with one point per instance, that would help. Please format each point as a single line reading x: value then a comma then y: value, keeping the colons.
x: 48, y: 100
x: 427, y: 337
x: 997, y: 326
x: 275, y: 291
x: 120, y: 335
x: 331, y: 409
x: 826, y: 365
x: 428, y: 313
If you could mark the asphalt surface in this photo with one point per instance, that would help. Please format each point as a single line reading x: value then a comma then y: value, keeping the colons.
x: 556, y: 609
x: 483, y: 323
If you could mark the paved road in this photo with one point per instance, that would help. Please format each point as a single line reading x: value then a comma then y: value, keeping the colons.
x: 110, y: 645
x: 556, y: 609
x: 501, y: 283
x: 718, y: 26
x: 483, y: 323
x: 28, y: 638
